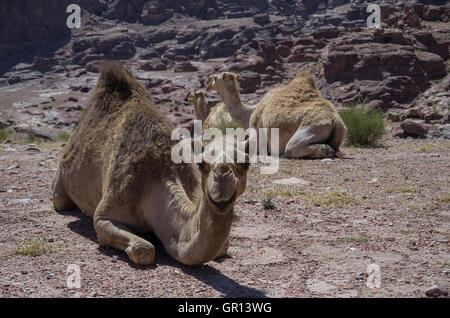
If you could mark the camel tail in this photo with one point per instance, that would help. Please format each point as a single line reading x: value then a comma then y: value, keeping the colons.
x: 338, y: 133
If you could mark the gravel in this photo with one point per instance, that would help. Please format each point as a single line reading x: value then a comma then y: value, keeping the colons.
x: 296, y: 250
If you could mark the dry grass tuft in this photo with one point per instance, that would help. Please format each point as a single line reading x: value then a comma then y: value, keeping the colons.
x: 332, y: 198
x: 35, y: 247
x: 402, y: 190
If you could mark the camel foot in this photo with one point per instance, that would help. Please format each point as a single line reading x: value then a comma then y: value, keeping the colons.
x: 223, y: 250
x: 321, y: 151
x: 141, y: 253
x: 340, y: 155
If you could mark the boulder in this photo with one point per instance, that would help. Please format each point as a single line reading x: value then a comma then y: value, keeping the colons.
x: 123, y: 51
x: 261, y: 19
x: 432, y: 64
x: 185, y: 67
x: 414, y: 128
x: 249, y: 81
x: 154, y: 65
x: 431, y: 13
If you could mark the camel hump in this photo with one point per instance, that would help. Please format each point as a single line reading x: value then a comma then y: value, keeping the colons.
x: 307, y: 78
x: 114, y: 77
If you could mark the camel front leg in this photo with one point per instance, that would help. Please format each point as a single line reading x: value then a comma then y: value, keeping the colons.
x: 118, y: 235
x: 309, y: 143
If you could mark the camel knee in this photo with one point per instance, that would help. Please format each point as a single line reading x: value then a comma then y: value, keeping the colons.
x: 118, y: 235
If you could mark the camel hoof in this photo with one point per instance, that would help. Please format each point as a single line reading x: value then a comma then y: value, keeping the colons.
x: 327, y: 151
x: 340, y: 155
x: 141, y: 253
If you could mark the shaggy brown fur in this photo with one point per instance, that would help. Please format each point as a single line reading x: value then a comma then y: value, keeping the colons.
x: 117, y: 167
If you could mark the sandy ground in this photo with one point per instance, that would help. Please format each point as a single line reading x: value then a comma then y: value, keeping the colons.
x: 387, y: 206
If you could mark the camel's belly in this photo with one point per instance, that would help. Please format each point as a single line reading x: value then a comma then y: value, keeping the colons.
x: 286, y: 129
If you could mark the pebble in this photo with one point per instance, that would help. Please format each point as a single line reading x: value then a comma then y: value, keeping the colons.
x: 50, y: 240
x: 115, y: 258
x: 292, y: 181
x: 327, y: 160
x: 14, y: 166
x: 436, y: 291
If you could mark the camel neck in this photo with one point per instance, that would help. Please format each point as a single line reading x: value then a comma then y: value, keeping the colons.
x: 240, y: 112
x: 200, y: 233
x: 200, y: 111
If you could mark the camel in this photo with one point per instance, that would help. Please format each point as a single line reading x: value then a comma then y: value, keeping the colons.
x: 117, y: 168
x: 198, y: 100
x: 218, y: 117
x: 309, y: 125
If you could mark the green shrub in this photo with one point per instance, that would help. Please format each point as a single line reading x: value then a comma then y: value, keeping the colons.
x: 224, y: 122
x: 268, y: 204
x: 83, y: 113
x: 63, y: 136
x: 3, y: 134
x: 365, y: 127
x: 35, y: 247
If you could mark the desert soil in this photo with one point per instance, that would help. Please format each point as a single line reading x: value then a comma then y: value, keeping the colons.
x: 387, y: 206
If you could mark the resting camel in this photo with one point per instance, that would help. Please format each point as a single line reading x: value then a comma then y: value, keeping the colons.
x: 117, y: 168
x: 309, y: 125
x: 218, y: 115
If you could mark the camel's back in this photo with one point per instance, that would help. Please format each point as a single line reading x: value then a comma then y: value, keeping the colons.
x: 122, y: 138
x: 293, y: 103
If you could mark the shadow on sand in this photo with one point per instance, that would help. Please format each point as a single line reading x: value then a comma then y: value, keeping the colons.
x: 205, y: 273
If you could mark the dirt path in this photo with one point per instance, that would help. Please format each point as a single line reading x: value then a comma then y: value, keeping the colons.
x: 388, y: 207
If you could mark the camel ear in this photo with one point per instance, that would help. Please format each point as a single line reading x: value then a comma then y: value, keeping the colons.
x: 237, y: 77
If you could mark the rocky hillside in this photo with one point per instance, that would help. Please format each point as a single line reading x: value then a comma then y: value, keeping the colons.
x: 47, y: 70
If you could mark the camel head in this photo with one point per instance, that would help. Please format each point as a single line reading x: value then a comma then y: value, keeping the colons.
x: 222, y: 182
x: 223, y: 81
x: 198, y: 99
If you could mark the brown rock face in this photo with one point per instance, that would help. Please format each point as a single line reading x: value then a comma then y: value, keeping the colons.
x: 27, y: 24
x: 401, y: 73
x: 412, y: 128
